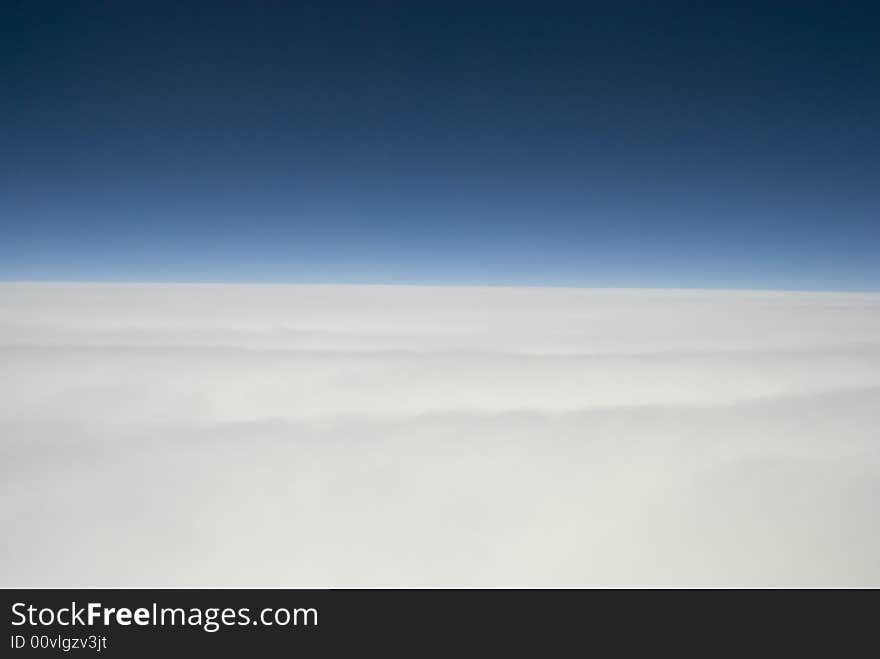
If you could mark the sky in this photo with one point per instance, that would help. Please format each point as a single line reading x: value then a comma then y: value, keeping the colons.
x: 624, y: 144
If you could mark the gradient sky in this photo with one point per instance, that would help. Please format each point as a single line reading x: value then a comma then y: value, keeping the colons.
x: 717, y: 144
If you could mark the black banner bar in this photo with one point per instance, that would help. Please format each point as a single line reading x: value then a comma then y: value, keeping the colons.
x: 146, y: 622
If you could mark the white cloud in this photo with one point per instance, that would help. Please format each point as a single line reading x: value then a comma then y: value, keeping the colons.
x: 331, y: 435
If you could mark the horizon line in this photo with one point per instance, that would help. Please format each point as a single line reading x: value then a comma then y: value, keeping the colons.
x: 327, y: 284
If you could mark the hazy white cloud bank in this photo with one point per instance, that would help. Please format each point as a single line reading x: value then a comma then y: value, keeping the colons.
x: 331, y: 435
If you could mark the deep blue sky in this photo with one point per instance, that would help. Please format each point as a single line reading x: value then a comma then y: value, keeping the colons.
x: 712, y: 144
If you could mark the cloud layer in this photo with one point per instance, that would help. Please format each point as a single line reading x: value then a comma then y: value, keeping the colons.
x: 341, y: 435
